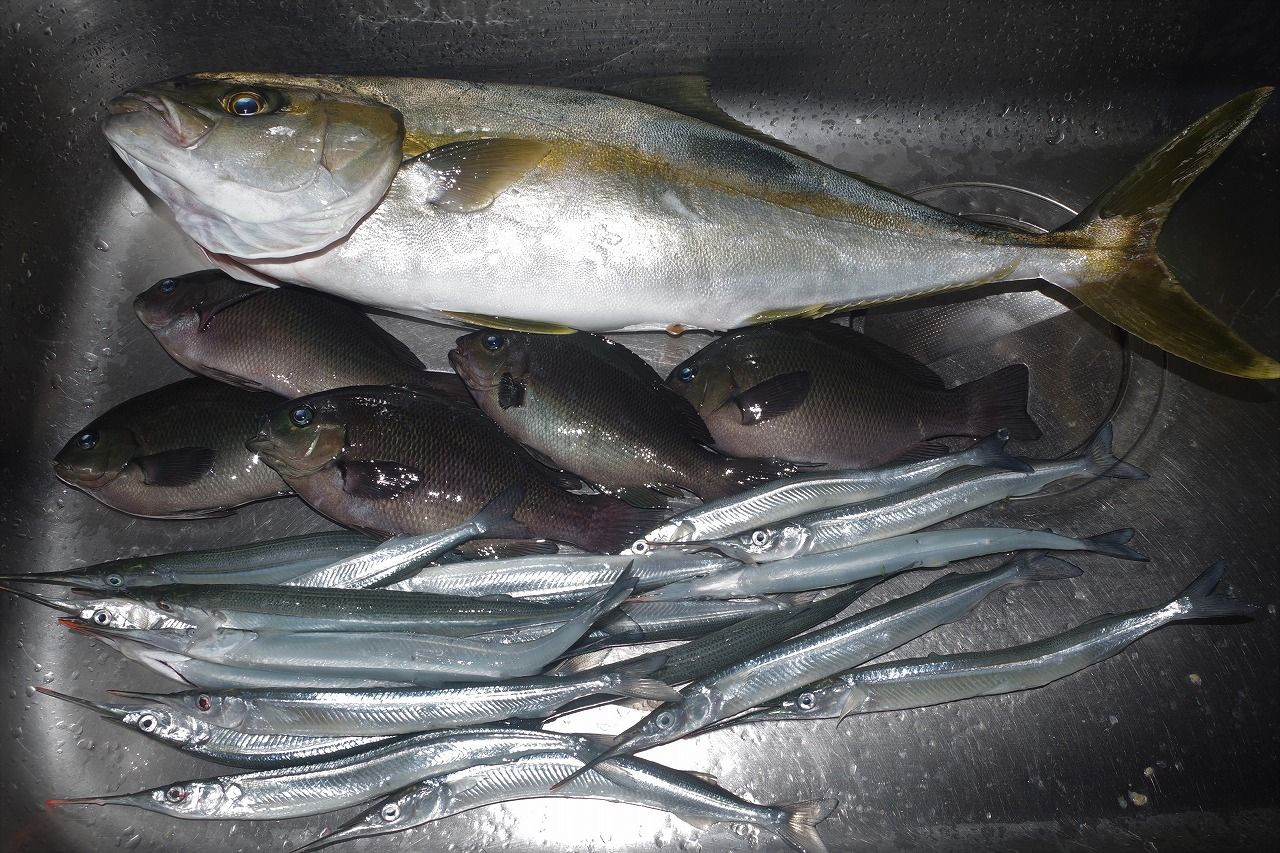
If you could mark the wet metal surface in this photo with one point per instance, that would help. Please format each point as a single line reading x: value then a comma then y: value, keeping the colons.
x: 1170, y: 746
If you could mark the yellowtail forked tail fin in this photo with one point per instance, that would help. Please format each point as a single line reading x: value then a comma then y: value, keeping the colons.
x: 1124, y: 279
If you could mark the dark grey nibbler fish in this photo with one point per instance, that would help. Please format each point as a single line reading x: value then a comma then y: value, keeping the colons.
x: 288, y: 340
x: 391, y: 461
x: 589, y: 405
x: 175, y: 452
x: 818, y: 392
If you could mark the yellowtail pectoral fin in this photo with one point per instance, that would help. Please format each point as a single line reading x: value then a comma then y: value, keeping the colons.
x: 509, y: 324
x: 1124, y: 279
x: 469, y: 174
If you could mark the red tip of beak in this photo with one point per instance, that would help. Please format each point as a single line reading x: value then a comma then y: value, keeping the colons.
x: 50, y: 805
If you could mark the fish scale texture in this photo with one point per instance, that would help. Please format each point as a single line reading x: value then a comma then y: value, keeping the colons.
x: 191, y: 413
x: 464, y: 461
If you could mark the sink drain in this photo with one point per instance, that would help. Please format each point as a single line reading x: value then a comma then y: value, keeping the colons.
x: 1084, y: 371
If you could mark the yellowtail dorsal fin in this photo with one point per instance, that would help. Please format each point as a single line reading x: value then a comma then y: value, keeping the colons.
x: 690, y: 94
x: 509, y: 324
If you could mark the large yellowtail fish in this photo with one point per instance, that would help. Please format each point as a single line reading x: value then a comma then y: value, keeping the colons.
x: 542, y: 209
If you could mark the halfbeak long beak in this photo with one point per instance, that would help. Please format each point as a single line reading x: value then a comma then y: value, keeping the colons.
x: 112, y: 712
x: 56, y: 578
x: 117, y: 800
x: 55, y: 604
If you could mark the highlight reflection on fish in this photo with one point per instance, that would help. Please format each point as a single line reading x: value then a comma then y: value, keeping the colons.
x: 820, y: 392
x: 590, y: 406
x: 291, y: 341
x: 175, y: 452
x: 549, y: 209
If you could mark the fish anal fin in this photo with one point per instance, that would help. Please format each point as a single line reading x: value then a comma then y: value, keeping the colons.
x: 509, y: 324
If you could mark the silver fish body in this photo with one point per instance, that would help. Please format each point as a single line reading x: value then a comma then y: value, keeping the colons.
x: 335, y: 713
x: 451, y: 197
x: 625, y: 780
x: 645, y: 621
x: 933, y: 680
x: 222, y: 745
x: 380, y: 656
x: 557, y: 578
x: 924, y: 505
x: 812, y: 657
x: 881, y: 558
x: 808, y: 493
x: 250, y: 607
x: 193, y: 672
x: 336, y: 784
x: 271, y: 561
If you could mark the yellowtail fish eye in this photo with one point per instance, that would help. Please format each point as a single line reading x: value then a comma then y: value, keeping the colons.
x: 167, y: 285
x: 148, y: 723
x: 493, y: 343
x: 246, y: 103
x: 390, y: 812
x: 203, y: 702
x: 87, y: 440
x: 301, y: 416
x: 687, y: 373
x: 175, y: 794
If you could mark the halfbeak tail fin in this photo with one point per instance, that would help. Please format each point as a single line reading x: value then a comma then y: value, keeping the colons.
x: 799, y: 830
x: 1123, y: 277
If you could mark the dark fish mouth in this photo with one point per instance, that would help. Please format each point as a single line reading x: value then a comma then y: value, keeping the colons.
x: 183, y: 126
x: 81, y: 479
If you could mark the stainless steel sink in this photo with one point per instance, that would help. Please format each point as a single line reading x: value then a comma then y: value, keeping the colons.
x: 1012, y: 113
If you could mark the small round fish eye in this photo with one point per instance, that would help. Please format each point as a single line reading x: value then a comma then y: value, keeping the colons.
x: 167, y: 285
x: 148, y: 723
x: 759, y: 538
x: 87, y: 440
x: 163, y: 605
x: 493, y: 343
x: 639, y: 547
x: 246, y: 103
x: 203, y: 702
x: 806, y: 701
x: 301, y: 416
x: 175, y: 794
x: 665, y: 720
x: 115, y: 580
x: 101, y: 617
x: 390, y: 812
x: 686, y: 373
